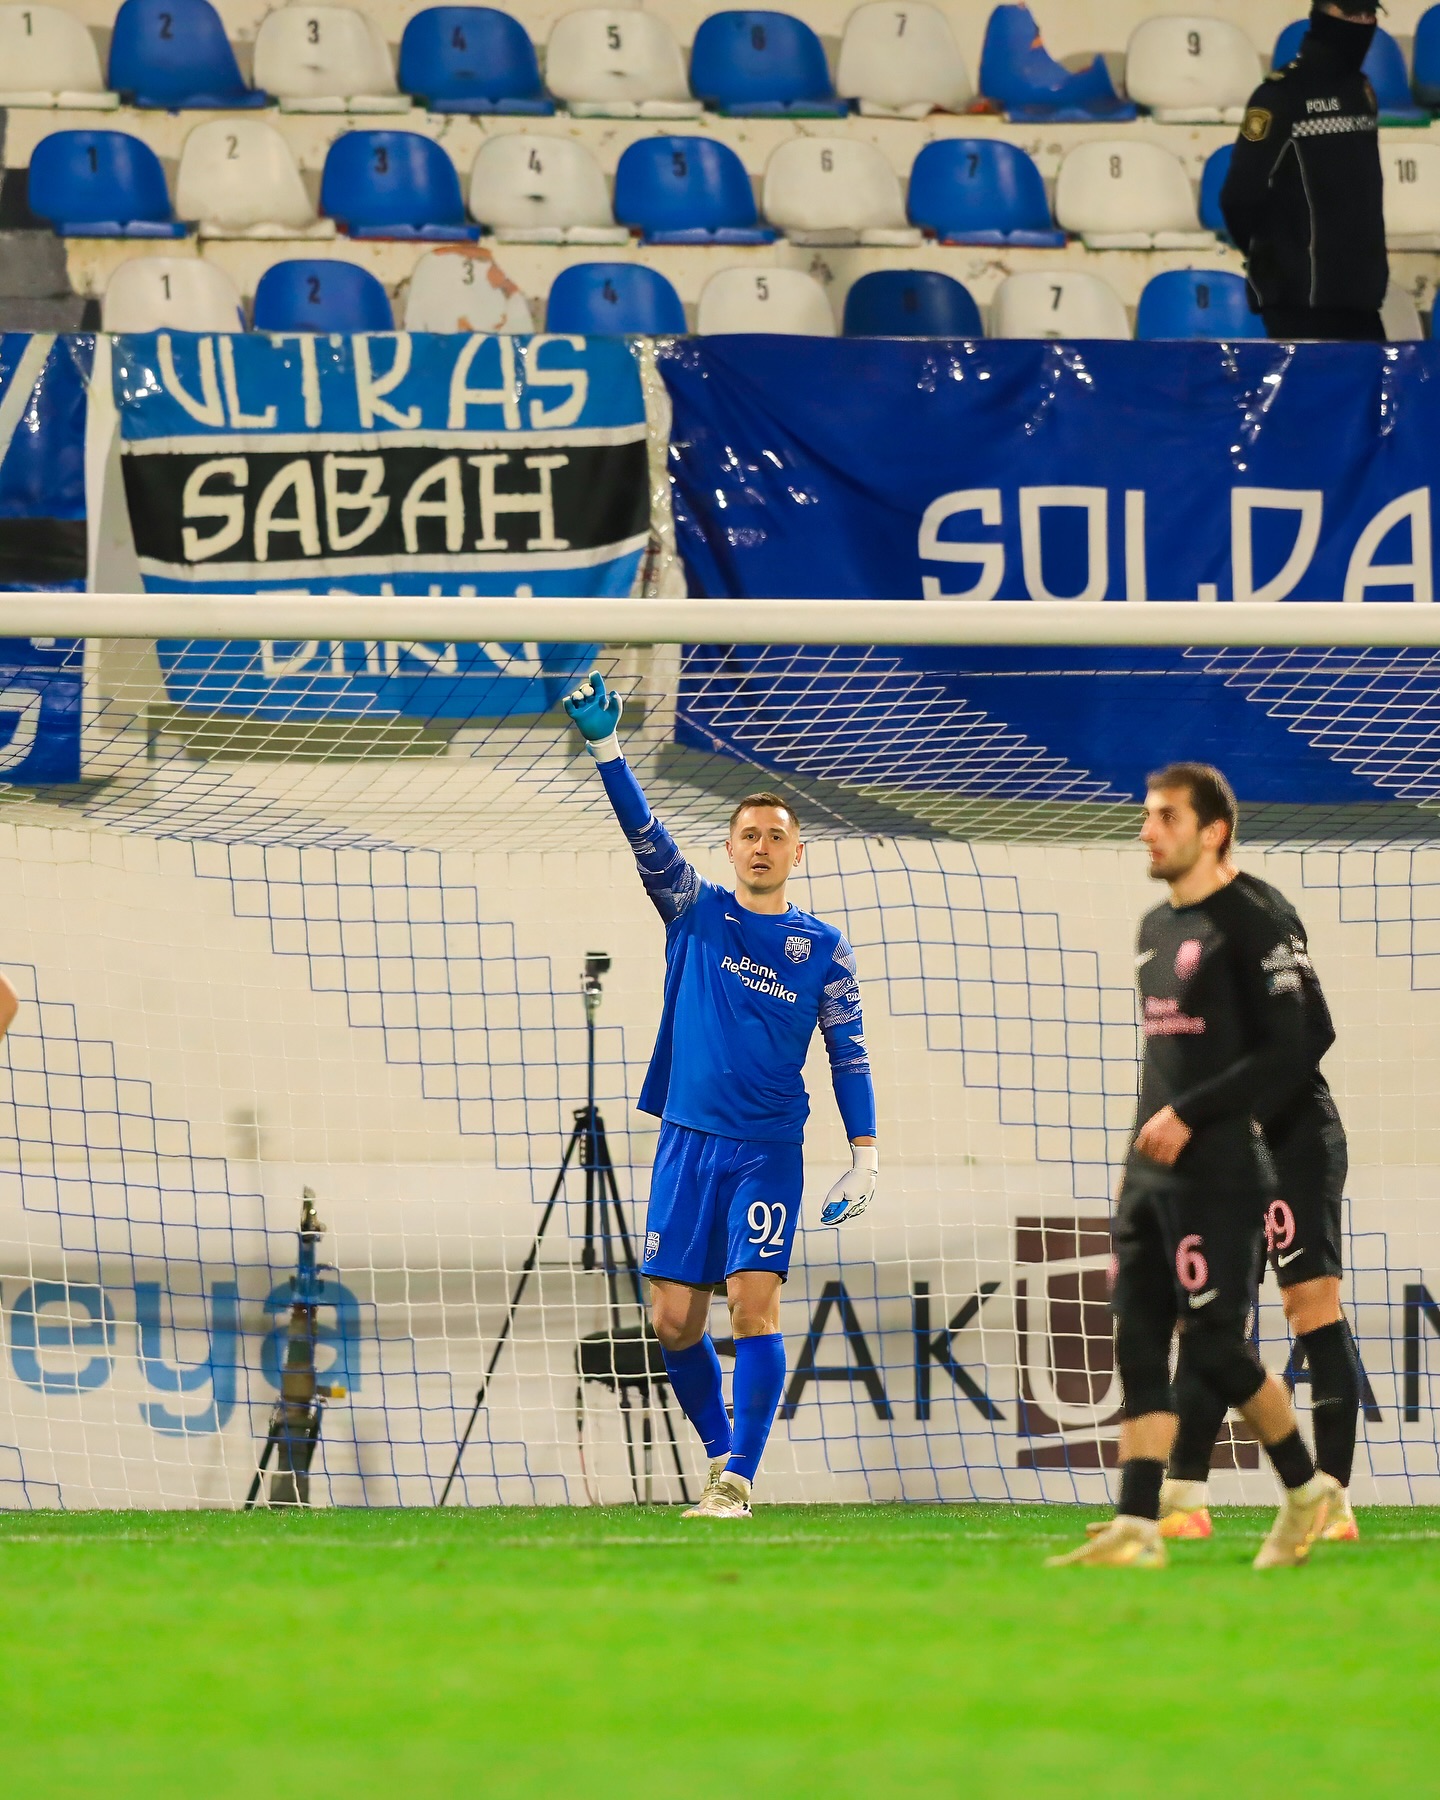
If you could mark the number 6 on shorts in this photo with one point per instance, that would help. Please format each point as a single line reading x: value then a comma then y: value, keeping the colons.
x: 1190, y: 1265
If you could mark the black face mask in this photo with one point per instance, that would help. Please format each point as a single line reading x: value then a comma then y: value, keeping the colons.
x: 1345, y: 38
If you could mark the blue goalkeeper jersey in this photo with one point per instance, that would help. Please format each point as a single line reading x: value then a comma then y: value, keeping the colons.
x: 744, y: 993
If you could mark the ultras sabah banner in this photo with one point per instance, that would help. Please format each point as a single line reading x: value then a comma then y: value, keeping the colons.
x: 396, y: 464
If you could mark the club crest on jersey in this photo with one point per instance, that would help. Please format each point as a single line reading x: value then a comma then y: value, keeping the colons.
x: 797, y: 949
x: 652, y: 1245
x: 1187, y: 958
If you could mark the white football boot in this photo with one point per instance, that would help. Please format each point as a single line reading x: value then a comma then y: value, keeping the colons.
x: 1301, y: 1519
x: 1125, y: 1543
x: 726, y: 1496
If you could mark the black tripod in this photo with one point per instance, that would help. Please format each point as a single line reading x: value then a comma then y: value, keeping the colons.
x: 624, y: 1359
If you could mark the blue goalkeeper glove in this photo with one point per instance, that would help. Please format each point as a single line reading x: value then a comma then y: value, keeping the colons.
x: 595, y: 710
x: 852, y: 1193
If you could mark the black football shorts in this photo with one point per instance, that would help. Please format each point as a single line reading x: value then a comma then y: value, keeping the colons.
x: 1303, y: 1221
x: 1183, y: 1246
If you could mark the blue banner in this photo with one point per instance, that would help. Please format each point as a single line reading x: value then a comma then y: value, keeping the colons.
x: 1003, y: 472
x: 43, y: 381
x: 397, y: 464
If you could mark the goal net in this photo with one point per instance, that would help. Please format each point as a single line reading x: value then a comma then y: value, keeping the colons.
x: 314, y: 909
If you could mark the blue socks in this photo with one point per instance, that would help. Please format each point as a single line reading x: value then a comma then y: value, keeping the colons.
x: 759, y: 1383
x: 695, y: 1379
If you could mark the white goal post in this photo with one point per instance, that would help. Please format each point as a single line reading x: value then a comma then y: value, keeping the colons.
x: 1378, y: 624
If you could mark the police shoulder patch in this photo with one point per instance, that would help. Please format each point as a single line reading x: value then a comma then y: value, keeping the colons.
x: 1257, y: 123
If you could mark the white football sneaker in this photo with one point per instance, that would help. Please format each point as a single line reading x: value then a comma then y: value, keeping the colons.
x: 1300, y: 1520
x: 726, y: 1496
x: 1125, y: 1543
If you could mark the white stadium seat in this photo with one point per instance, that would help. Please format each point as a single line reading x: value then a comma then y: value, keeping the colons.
x: 1401, y: 316
x: 532, y: 189
x: 1190, y: 70
x: 1057, y: 304
x: 832, y: 190
x: 326, y: 59
x: 1126, y: 194
x: 902, y: 61
x: 50, y: 59
x: 459, y: 288
x: 170, y: 293
x: 1412, y: 194
x: 776, y: 300
x: 238, y: 178
x: 618, y: 63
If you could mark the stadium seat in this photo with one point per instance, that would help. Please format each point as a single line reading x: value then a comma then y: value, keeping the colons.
x: 173, y: 54
x: 1427, y: 59
x: 1197, y: 303
x: 1401, y: 317
x: 471, y: 59
x: 529, y: 189
x: 326, y: 59
x: 1059, y: 303
x: 459, y: 289
x: 170, y: 293
x: 49, y: 59
x: 980, y: 191
x: 1190, y: 70
x: 321, y: 295
x: 238, y: 179
x: 911, y: 303
x: 1412, y: 194
x: 614, y: 299
x: 687, y: 190
x: 1019, y: 74
x: 762, y: 65
x: 1217, y: 167
x: 393, y: 184
x: 832, y: 190
x: 1121, y: 195
x: 100, y: 184
x: 618, y: 63
x: 784, y: 301
x: 901, y: 61
x: 1384, y: 65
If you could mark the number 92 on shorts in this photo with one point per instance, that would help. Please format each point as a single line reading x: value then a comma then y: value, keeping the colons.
x: 719, y: 1205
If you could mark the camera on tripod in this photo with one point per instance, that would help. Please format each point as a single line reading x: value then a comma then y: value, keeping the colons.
x: 597, y: 963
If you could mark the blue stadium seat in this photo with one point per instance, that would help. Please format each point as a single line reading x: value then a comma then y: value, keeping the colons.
x: 471, y: 59
x: 100, y: 184
x: 321, y: 295
x: 607, y: 299
x: 762, y: 65
x: 687, y: 190
x: 980, y: 191
x: 394, y: 184
x: 1217, y: 167
x: 1385, y: 66
x: 173, y: 54
x: 911, y: 303
x: 1427, y: 59
x: 1019, y: 73
x: 1197, y: 303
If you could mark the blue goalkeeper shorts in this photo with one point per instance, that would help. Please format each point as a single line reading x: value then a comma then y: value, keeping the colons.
x: 719, y: 1205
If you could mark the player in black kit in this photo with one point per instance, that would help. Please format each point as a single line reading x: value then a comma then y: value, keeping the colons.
x: 1225, y: 1038
x: 1302, y: 1234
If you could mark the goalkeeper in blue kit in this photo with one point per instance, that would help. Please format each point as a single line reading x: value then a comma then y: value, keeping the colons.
x: 748, y: 977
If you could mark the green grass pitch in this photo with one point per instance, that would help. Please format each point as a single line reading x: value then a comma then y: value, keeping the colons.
x: 826, y: 1651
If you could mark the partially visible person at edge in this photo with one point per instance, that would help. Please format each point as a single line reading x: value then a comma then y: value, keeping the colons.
x: 1304, y: 198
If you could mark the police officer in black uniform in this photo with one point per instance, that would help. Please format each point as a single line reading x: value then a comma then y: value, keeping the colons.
x: 1304, y: 196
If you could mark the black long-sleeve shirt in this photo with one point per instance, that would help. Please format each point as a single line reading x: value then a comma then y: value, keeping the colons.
x: 1313, y: 1107
x: 1304, y: 198
x: 1226, y: 1034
